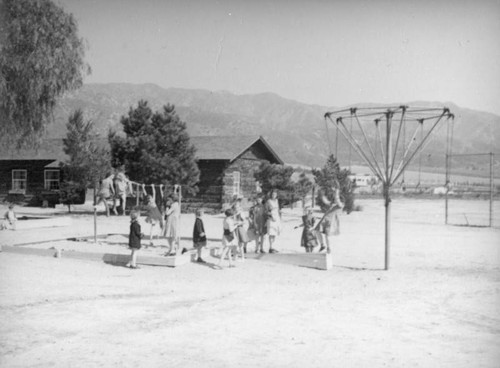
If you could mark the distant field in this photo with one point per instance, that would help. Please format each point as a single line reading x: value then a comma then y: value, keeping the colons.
x: 437, y: 178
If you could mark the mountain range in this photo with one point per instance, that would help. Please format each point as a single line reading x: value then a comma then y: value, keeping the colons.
x: 296, y: 131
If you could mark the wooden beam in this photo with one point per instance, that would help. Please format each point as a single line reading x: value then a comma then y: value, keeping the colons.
x: 46, y: 222
x: 112, y: 258
x: 321, y: 261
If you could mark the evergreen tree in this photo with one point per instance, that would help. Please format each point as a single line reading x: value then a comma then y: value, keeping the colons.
x: 303, y: 187
x: 156, y: 148
x: 331, y: 175
x: 274, y: 176
x: 41, y: 57
x: 88, y: 161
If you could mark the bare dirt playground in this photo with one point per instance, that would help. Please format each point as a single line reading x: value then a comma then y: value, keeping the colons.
x: 437, y: 306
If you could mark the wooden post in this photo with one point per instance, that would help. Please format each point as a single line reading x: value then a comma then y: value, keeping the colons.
x: 313, y: 200
x: 137, y: 194
x: 95, y: 214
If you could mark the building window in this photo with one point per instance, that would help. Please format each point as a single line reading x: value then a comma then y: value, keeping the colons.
x: 19, y: 180
x: 51, y: 180
x: 236, y: 183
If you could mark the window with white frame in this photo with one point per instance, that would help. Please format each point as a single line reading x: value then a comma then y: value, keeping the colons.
x: 236, y: 183
x: 51, y: 179
x: 19, y: 180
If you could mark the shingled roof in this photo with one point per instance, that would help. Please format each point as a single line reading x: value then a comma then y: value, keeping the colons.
x: 227, y: 147
x: 207, y: 148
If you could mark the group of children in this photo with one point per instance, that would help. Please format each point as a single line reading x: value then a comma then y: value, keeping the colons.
x: 263, y: 220
x: 170, y: 229
x: 318, y: 232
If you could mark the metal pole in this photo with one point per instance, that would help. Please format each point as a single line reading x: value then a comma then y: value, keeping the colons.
x: 446, y: 178
x: 388, y: 147
x: 491, y: 189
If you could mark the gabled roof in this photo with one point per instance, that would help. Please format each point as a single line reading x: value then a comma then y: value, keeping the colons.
x: 228, y: 147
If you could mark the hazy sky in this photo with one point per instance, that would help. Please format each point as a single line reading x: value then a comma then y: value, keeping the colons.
x: 330, y: 53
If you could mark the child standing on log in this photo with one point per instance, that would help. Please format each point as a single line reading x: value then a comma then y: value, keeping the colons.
x: 154, y: 215
x: 134, y: 239
x: 308, y: 240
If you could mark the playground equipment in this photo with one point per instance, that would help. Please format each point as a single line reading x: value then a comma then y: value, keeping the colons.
x: 477, y: 184
x: 388, y: 153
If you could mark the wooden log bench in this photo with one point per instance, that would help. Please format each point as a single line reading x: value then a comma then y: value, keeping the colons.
x: 112, y: 258
x: 321, y: 261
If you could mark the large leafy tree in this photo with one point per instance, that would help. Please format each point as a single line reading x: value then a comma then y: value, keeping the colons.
x: 41, y: 57
x: 156, y: 148
x: 330, y: 176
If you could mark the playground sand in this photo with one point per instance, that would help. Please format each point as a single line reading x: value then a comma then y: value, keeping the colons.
x: 437, y: 306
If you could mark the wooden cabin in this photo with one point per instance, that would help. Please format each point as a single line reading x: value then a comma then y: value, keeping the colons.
x: 32, y: 175
x: 227, y: 165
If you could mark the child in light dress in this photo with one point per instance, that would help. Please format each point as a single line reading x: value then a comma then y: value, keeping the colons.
x: 170, y: 230
x: 229, y: 238
x: 10, y: 219
x: 154, y: 216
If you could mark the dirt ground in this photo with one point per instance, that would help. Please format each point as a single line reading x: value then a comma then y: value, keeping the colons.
x: 437, y: 306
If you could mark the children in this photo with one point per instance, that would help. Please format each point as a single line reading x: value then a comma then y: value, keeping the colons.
x: 170, y: 230
x: 122, y: 187
x: 229, y: 238
x: 308, y: 240
x: 241, y: 231
x: 106, y: 192
x: 199, y: 236
x: 154, y: 216
x: 134, y: 240
x: 10, y: 219
x: 329, y: 224
x: 273, y: 223
x: 257, y: 217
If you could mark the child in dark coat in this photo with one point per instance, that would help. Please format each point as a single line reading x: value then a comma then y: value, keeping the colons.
x: 134, y: 240
x: 199, y: 236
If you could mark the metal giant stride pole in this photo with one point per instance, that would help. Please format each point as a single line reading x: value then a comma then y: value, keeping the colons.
x: 387, y: 185
x: 389, y: 156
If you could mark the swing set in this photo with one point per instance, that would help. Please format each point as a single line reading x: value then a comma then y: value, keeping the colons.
x: 140, y: 189
x: 387, y: 154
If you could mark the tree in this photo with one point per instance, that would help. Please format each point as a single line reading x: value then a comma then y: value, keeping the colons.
x: 274, y: 176
x: 303, y: 187
x: 41, y: 57
x: 88, y: 161
x: 156, y: 148
x: 332, y: 175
